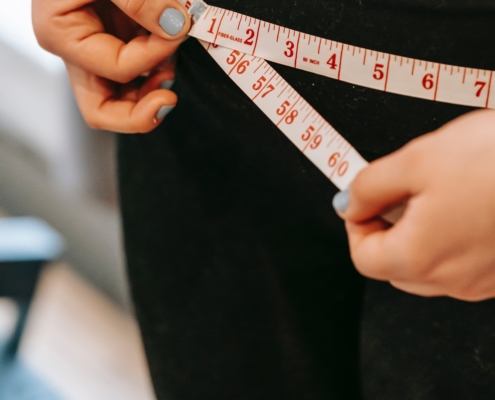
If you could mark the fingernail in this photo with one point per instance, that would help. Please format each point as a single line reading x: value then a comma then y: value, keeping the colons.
x: 163, y: 111
x: 341, y: 201
x: 197, y: 10
x: 172, y: 21
x: 167, y: 84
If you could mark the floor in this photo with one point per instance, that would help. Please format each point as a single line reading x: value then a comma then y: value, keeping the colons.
x: 77, y: 346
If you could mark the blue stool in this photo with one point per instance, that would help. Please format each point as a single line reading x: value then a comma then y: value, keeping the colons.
x: 26, y: 245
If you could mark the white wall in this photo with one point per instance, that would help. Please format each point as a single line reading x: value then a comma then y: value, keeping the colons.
x: 35, y: 100
x: 50, y: 161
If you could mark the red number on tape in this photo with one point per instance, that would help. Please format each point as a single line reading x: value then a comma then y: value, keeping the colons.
x: 333, y: 160
x: 309, y: 132
x: 232, y: 59
x: 379, y: 74
x: 249, y: 40
x: 290, y: 49
x: 259, y: 83
x: 344, y: 167
x: 316, y: 142
x: 481, y: 87
x: 242, y: 67
x: 291, y: 117
x: 213, y: 22
x: 333, y: 62
x: 270, y: 88
x: 283, y: 108
x: 428, y: 82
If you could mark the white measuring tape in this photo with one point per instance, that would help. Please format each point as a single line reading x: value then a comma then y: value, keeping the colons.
x: 241, y: 44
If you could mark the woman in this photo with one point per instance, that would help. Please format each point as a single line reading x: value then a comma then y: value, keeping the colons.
x: 240, y: 270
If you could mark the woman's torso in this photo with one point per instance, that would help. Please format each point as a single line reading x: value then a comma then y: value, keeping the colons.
x: 239, y: 266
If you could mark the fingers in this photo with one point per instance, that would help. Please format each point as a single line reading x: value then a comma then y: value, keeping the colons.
x: 375, y: 245
x: 110, y: 58
x: 388, y: 253
x: 74, y: 31
x: 370, y: 249
x: 166, y: 18
x: 418, y: 289
x: 133, y: 110
x: 382, y: 185
x: 161, y: 80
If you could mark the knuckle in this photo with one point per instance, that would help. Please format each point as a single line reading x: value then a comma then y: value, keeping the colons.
x: 365, y: 267
x: 469, y: 293
x: 359, y: 262
x: 414, y: 260
x: 124, y: 72
x: 92, y: 120
x: 133, y: 7
x: 416, y: 266
x: 43, y: 36
x: 138, y: 124
x: 135, y: 127
x: 468, y: 297
x: 122, y: 76
x: 358, y: 186
x: 356, y: 260
x: 413, y: 155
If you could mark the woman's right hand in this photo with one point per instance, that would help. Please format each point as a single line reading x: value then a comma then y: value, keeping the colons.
x: 115, y: 53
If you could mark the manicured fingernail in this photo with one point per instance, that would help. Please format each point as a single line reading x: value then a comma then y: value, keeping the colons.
x: 341, y: 201
x: 163, y: 111
x: 166, y: 84
x: 197, y: 10
x: 172, y: 21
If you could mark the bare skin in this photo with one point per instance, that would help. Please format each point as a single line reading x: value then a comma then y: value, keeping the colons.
x: 444, y: 245
x: 106, y: 45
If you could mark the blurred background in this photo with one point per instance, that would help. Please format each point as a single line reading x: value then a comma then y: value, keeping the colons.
x: 80, y: 340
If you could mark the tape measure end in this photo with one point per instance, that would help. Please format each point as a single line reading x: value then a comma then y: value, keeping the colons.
x: 197, y: 10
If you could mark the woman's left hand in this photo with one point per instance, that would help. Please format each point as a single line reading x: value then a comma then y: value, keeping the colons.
x: 115, y: 53
x: 444, y: 244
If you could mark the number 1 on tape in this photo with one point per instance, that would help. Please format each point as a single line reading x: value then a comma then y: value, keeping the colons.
x: 293, y: 115
x: 241, y: 44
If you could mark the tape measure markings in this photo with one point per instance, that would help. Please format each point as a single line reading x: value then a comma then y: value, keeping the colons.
x: 324, y: 146
x: 352, y: 64
x: 293, y: 115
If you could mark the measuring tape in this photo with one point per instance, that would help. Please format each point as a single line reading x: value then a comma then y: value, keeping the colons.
x: 241, y: 44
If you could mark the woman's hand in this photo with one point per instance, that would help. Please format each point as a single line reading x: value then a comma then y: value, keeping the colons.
x: 106, y: 46
x: 444, y: 244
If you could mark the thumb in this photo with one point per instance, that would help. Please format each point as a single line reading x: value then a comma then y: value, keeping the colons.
x: 377, y: 189
x: 166, y: 18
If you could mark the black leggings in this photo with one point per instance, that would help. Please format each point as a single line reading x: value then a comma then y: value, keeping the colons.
x: 239, y: 267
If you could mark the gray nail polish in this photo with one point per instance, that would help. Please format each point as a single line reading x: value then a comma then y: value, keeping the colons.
x: 172, y: 21
x: 341, y: 201
x: 167, y: 84
x: 197, y: 9
x: 163, y: 111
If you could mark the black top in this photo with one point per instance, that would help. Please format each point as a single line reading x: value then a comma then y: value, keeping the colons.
x: 239, y: 266
x: 451, y: 32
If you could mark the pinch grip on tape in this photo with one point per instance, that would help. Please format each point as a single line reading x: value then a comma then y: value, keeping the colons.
x: 197, y: 10
x: 369, y: 68
x: 395, y: 213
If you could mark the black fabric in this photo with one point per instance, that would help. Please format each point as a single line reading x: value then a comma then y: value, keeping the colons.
x: 416, y: 348
x: 239, y: 267
x: 474, y: 7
